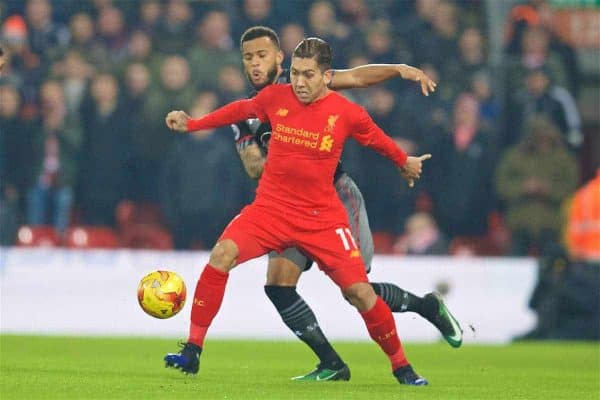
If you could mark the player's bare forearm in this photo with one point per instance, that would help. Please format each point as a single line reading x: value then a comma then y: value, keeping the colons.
x: 413, y: 168
x: 179, y: 121
x: 253, y: 160
x: 373, y: 74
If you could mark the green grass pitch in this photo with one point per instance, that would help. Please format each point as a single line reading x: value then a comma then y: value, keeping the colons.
x: 42, y: 367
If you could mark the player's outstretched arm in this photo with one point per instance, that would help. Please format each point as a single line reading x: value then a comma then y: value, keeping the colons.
x: 373, y: 74
x: 413, y: 168
x: 226, y: 115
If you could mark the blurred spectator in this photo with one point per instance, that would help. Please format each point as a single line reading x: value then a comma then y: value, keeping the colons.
x: 425, y: 117
x: 23, y: 67
x: 82, y: 39
x: 290, y: 35
x: 213, y: 50
x: 137, y: 85
x: 439, y: 45
x: 489, y: 105
x: 566, y: 298
x: 379, y: 44
x: 46, y: 38
x: 255, y: 12
x: 56, y: 146
x: 460, y: 178
x: 538, y: 13
x: 140, y: 50
x: 153, y: 140
x: 13, y: 161
x: 75, y: 74
x: 354, y: 12
x: 112, y: 35
x: 106, y: 152
x: 174, y: 32
x: 195, y: 166
x: 149, y: 15
x: 534, y: 177
x: 421, y: 237
x: 583, y: 223
x: 541, y: 96
x: 231, y: 84
x: 535, y: 54
x: 323, y: 23
x: 388, y: 199
x: 458, y: 71
x: 414, y: 25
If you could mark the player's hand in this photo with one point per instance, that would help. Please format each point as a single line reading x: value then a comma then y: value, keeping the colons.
x: 177, y: 121
x: 416, y: 75
x: 411, y: 171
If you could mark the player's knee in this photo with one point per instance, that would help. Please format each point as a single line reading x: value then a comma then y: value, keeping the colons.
x: 282, y: 272
x: 223, y: 256
x: 360, y: 295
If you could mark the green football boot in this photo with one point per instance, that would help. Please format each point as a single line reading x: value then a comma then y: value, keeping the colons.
x: 326, y: 374
x: 445, y: 321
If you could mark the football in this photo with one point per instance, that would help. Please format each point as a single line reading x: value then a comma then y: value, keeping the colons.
x: 161, y: 294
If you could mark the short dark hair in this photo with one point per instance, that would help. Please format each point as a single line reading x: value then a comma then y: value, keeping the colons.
x: 259, y: 31
x: 314, y: 48
x: 1, y: 52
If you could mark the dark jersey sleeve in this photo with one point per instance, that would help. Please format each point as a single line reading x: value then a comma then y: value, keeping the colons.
x: 243, y: 136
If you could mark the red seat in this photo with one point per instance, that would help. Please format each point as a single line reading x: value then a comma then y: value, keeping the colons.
x: 129, y: 213
x: 37, y: 235
x: 464, y: 246
x: 87, y: 237
x: 147, y: 236
x: 383, y: 242
x: 473, y: 246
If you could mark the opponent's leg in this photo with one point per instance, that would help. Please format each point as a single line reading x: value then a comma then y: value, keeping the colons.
x: 431, y: 306
x: 282, y: 277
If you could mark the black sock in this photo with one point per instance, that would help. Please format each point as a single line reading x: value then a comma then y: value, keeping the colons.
x: 400, y: 300
x: 298, y: 316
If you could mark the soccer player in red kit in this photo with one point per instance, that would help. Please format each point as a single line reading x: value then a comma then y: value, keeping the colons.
x: 262, y: 59
x: 310, y: 125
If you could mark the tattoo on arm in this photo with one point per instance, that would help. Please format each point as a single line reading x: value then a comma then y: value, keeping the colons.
x: 253, y: 160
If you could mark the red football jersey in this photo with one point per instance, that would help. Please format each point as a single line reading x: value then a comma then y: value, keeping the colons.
x: 306, y: 144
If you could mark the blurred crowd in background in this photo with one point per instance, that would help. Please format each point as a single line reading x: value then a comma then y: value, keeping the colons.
x: 85, y: 152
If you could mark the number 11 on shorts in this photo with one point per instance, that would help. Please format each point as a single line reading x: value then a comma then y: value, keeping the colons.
x: 344, y: 234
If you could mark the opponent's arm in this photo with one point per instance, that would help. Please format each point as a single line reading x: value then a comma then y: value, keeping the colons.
x: 372, y: 74
x: 253, y: 160
x: 249, y: 151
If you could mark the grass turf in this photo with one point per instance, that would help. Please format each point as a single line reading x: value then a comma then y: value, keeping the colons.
x: 41, y: 367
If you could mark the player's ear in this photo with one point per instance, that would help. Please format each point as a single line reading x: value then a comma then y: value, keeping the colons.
x: 279, y: 57
x: 328, y: 77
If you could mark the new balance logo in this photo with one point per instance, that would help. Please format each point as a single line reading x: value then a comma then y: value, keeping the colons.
x: 282, y: 112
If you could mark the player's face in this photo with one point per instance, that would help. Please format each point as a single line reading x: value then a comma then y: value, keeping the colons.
x: 308, y: 82
x: 262, y: 61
